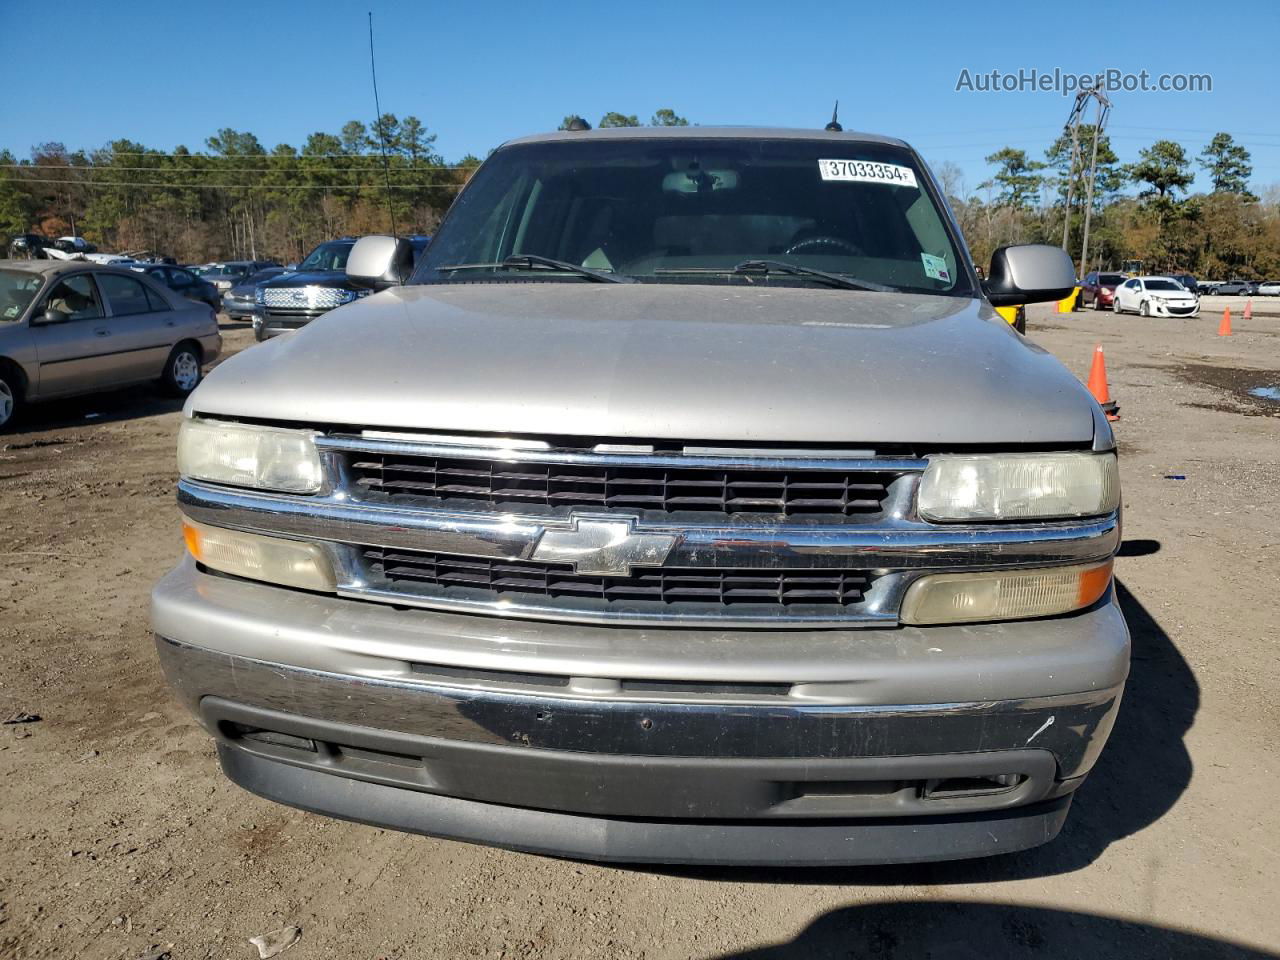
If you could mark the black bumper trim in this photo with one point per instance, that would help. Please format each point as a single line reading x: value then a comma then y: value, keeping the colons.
x: 652, y: 788
x: 755, y: 843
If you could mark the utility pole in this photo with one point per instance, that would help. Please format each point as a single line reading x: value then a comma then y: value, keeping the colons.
x: 1104, y: 111
x: 1073, y: 121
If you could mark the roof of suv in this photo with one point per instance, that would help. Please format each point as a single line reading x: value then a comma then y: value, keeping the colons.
x: 726, y: 133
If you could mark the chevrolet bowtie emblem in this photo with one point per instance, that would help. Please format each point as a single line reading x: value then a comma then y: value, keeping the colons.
x: 603, y: 547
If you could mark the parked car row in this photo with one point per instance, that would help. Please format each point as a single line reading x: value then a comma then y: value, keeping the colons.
x: 1097, y: 290
x: 1231, y: 288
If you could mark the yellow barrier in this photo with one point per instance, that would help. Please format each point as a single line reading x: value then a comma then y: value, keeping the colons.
x: 1009, y: 313
x: 1068, y: 305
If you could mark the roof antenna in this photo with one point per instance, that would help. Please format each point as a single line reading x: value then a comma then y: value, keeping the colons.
x: 382, y: 134
x: 834, y: 125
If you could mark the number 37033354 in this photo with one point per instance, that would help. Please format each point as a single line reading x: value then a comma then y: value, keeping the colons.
x: 865, y: 171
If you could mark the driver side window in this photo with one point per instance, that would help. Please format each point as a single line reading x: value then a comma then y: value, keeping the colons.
x: 75, y: 298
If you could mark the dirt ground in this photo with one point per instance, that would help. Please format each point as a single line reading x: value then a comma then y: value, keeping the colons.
x: 118, y: 833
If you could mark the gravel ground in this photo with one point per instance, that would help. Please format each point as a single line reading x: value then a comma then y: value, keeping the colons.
x: 118, y: 835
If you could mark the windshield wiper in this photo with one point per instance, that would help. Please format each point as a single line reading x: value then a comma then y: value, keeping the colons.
x: 532, y: 261
x: 831, y: 279
x: 778, y: 266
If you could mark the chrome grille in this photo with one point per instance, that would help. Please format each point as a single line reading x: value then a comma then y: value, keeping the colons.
x: 309, y: 297
x: 719, y: 589
x: 778, y: 492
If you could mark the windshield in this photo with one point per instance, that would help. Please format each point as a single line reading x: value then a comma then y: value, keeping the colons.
x: 327, y: 256
x: 1111, y: 279
x: 17, y: 289
x: 691, y: 210
x: 1164, y: 285
x: 229, y: 270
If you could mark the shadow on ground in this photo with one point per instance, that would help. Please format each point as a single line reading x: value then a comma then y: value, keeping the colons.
x: 957, y: 930
x: 1140, y: 776
x: 129, y: 403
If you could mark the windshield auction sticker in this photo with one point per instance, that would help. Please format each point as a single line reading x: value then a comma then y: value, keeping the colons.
x: 935, y: 267
x: 864, y: 171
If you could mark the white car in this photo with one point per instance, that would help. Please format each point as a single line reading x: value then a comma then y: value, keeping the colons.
x: 1155, y: 297
x: 1269, y: 289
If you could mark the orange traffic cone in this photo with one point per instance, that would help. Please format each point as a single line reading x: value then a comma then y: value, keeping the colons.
x: 1098, y: 385
x: 1224, y: 328
x: 1248, y: 310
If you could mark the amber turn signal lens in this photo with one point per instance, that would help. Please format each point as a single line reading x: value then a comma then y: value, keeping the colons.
x: 1004, y: 594
x: 291, y: 563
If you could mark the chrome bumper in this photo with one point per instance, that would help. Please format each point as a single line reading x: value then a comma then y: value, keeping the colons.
x: 1071, y: 728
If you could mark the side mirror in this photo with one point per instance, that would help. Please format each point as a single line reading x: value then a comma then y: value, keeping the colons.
x: 1029, y: 273
x: 376, y: 263
x: 51, y: 315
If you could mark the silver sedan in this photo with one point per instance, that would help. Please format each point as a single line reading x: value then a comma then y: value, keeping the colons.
x: 69, y: 327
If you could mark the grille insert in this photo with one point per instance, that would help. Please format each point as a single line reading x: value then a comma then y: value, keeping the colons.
x: 835, y: 590
x: 784, y: 493
x: 305, y: 298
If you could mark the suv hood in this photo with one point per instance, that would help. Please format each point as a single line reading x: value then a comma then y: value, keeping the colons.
x: 661, y: 361
x: 312, y: 278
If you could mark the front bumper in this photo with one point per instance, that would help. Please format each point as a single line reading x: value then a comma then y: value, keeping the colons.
x: 239, y: 309
x: 1173, y: 310
x: 604, y: 743
x: 275, y: 322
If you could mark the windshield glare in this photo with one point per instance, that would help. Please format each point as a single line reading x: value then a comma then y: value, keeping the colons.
x: 17, y: 289
x: 690, y: 210
x: 327, y: 256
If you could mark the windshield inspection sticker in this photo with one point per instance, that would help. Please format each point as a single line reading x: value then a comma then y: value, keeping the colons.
x: 864, y: 171
x: 935, y: 267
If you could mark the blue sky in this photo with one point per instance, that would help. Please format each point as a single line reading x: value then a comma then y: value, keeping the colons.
x: 477, y: 73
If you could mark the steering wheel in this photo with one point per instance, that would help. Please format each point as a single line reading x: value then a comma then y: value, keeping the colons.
x: 809, y: 244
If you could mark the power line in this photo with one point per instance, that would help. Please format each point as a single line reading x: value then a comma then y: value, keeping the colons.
x: 219, y: 169
x: 222, y: 156
x: 247, y: 186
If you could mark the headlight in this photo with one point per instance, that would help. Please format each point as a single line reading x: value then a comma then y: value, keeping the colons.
x: 1004, y: 595
x: 269, y: 458
x: 1030, y: 486
x: 288, y: 562
x: 346, y: 296
x: 258, y: 296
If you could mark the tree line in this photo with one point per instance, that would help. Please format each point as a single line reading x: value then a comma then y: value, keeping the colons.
x: 238, y: 199
x: 1223, y: 233
x: 235, y: 199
